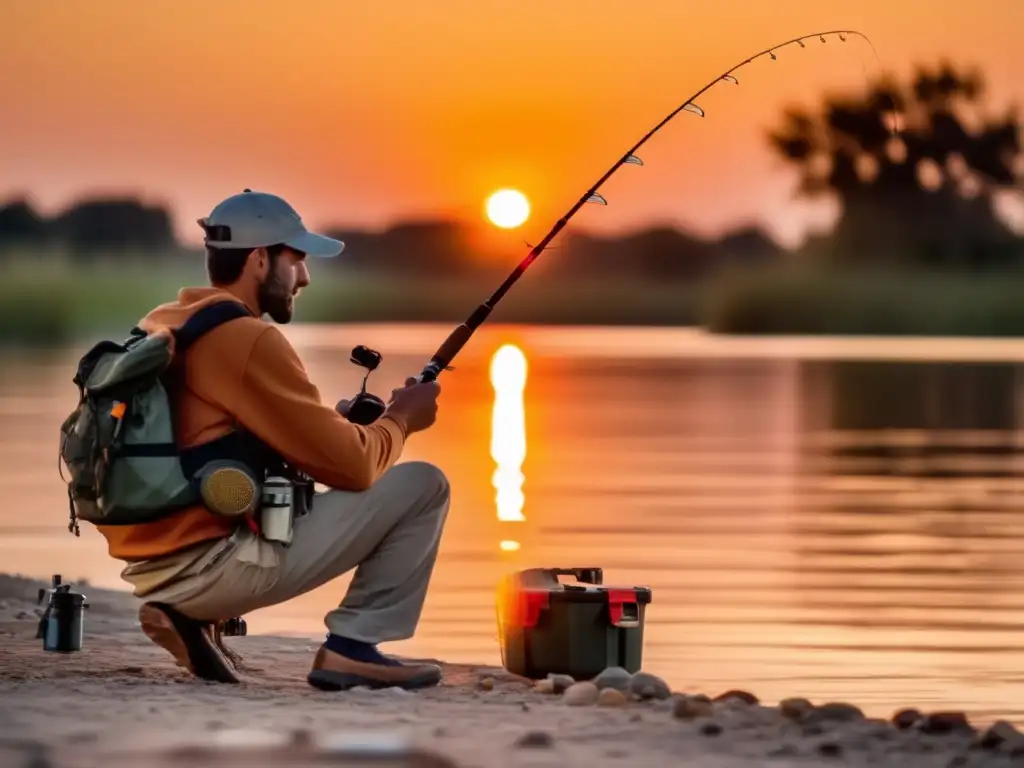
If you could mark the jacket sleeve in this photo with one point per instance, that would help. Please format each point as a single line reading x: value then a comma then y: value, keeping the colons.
x: 281, y: 406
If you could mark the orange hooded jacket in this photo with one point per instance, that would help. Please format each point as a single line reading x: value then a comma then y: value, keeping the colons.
x: 247, y: 372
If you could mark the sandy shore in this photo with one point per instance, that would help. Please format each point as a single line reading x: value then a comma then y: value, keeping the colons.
x: 121, y: 701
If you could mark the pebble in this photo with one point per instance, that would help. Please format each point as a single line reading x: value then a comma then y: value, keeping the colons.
x: 646, y: 686
x: 536, y: 740
x: 711, y: 729
x: 795, y: 708
x: 613, y: 677
x: 487, y: 684
x: 834, y: 711
x: 581, y: 694
x: 905, y: 718
x: 997, y: 733
x: 743, y: 696
x: 560, y: 682
x: 610, y: 697
x: 830, y: 749
x: 688, y: 707
x: 302, y: 738
x: 24, y: 615
x: 943, y: 722
x: 544, y: 686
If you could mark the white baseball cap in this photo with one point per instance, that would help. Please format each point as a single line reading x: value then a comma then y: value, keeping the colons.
x: 259, y: 219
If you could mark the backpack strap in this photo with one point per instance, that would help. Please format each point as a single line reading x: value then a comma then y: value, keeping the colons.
x: 239, y: 444
x: 205, y: 320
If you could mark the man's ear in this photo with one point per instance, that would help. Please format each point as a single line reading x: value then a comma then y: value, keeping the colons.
x: 261, y: 261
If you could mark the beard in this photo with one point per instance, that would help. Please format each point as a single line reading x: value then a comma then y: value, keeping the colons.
x: 276, y: 299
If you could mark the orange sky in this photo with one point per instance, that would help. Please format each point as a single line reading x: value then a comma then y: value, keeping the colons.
x: 362, y: 113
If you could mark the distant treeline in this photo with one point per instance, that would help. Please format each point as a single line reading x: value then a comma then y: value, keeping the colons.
x: 87, y: 228
x: 656, y: 254
x: 108, y: 228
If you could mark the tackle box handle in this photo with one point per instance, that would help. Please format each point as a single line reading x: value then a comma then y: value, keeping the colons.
x: 586, y: 575
x: 547, y: 578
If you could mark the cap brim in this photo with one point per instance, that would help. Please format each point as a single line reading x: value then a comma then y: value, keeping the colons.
x: 313, y: 244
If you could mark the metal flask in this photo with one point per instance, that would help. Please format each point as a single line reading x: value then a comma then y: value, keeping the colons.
x: 62, y: 623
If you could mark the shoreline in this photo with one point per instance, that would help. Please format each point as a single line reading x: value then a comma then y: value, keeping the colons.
x: 122, y: 701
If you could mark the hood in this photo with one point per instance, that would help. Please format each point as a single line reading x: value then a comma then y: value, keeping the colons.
x: 173, y: 314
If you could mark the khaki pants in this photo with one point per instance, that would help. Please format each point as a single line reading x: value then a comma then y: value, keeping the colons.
x: 389, y: 534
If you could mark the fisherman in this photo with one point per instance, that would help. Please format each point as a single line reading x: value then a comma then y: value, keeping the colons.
x: 195, y: 569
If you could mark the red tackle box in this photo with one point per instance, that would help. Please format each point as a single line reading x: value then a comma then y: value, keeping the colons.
x: 546, y: 626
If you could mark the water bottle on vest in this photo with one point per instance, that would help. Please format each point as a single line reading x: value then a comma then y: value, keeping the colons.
x: 277, y: 511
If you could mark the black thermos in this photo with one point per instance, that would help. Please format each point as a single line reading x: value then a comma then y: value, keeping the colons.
x: 61, y: 624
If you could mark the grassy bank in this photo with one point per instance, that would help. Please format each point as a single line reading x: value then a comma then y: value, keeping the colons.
x: 51, y: 302
x: 815, y: 301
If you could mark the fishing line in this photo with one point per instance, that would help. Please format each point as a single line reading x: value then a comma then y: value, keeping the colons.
x: 457, y: 339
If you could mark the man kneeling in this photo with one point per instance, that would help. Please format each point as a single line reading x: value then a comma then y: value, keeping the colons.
x: 196, y: 569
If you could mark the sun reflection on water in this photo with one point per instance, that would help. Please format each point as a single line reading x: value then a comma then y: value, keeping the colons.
x: 508, y: 435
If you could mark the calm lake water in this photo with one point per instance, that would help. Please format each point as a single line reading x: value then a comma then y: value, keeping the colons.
x: 839, y: 519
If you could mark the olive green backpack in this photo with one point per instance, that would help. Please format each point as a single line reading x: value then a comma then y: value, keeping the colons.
x: 119, y: 443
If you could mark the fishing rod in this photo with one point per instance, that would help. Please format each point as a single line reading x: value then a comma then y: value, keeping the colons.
x: 366, y: 408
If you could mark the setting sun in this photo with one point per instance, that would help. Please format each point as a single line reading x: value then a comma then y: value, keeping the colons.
x: 508, y: 208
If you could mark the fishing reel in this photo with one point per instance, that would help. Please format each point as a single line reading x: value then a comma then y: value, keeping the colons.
x: 366, y: 407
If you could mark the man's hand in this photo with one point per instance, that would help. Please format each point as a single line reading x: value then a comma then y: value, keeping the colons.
x: 415, y: 404
x: 342, y: 406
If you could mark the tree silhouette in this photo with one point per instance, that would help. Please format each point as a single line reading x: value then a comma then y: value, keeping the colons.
x: 922, y: 193
x: 89, y: 227
x: 20, y: 225
x: 103, y: 225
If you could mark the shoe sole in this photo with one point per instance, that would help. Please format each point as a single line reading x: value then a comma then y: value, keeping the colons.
x: 326, y: 680
x: 189, y: 646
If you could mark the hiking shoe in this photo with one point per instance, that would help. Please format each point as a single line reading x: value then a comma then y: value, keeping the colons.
x: 334, y: 672
x: 189, y: 641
